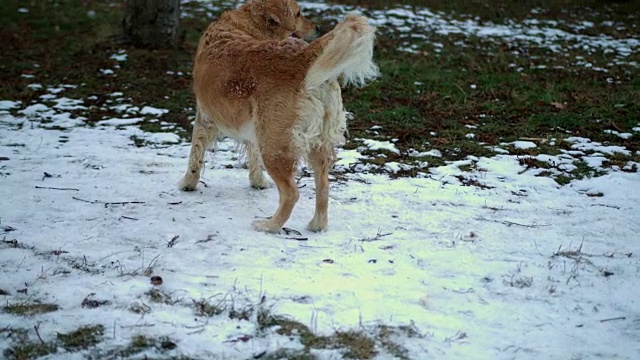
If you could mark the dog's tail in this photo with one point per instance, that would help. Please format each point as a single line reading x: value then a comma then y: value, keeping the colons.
x: 347, y: 53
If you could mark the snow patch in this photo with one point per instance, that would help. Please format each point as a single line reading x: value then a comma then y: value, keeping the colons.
x: 523, y: 144
x: 119, y: 121
x: 149, y: 110
x: 584, y: 144
x: 380, y: 145
x: 8, y: 105
x: 618, y: 134
x: 120, y: 56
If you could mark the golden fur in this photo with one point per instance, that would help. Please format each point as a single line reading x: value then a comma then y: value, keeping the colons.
x: 257, y: 81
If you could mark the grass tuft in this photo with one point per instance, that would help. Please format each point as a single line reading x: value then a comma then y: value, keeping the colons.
x: 30, y: 309
x: 82, y: 338
x: 355, y: 345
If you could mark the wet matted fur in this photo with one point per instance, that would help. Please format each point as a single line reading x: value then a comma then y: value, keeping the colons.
x: 257, y: 81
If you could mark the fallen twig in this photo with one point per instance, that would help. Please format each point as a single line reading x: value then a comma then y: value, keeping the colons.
x: 35, y: 327
x: 509, y: 223
x: 297, y: 238
x: 47, y: 175
x: 106, y: 204
x: 91, y: 202
x: 615, y: 318
x: 123, y: 203
x: 7, y: 229
x: 127, y: 217
x: 607, y: 206
x: 55, y: 188
x: 260, y: 354
x: 377, y: 237
x: 209, y: 238
x: 136, y: 326
x: 172, y: 242
x: 42, y: 275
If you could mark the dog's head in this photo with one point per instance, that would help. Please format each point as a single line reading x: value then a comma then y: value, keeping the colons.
x: 281, y: 19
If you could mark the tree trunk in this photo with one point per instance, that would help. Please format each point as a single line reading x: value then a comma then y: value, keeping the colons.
x: 152, y: 23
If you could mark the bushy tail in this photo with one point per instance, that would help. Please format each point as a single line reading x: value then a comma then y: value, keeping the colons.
x: 347, y: 54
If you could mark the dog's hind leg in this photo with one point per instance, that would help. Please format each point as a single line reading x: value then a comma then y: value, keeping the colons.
x: 256, y: 176
x: 320, y: 161
x: 204, y: 132
x: 281, y: 167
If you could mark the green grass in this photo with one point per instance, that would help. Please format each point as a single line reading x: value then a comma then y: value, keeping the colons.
x: 352, y: 344
x: 25, y: 348
x: 418, y: 93
x: 29, y: 350
x: 478, y: 85
x: 59, y: 44
x: 141, y: 343
x: 160, y: 297
x: 29, y: 309
x: 82, y: 338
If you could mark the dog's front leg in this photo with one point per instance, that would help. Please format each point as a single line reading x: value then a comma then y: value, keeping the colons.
x: 204, y: 132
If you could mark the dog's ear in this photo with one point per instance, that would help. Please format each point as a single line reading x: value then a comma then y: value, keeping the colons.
x: 273, y: 20
x: 275, y: 12
x: 272, y: 13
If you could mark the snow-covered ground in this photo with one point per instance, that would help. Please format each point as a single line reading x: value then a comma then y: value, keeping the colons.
x: 526, y: 269
x: 516, y: 267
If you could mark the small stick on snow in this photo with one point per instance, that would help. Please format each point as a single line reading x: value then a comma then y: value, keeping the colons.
x: 136, y: 326
x: 7, y: 229
x: 172, y: 241
x: 377, y: 237
x: 106, y: 204
x: 509, y: 223
x: 538, y: 249
x: 91, y: 202
x: 55, y: 188
x: 615, y: 318
x: 123, y: 203
x: 260, y: 354
x: 209, y: 238
x: 47, y: 175
x: 35, y: 327
x: 297, y: 238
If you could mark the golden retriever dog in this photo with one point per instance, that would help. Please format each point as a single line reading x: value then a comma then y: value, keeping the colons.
x: 258, y: 81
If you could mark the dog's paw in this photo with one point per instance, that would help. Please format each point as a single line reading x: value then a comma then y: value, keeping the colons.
x: 260, y: 186
x: 317, y: 225
x: 187, y: 184
x: 266, y: 226
x: 259, y: 182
